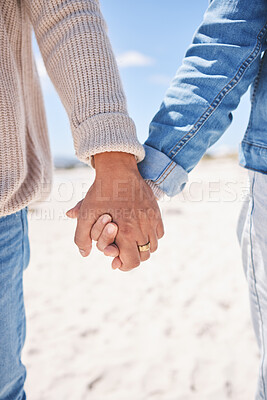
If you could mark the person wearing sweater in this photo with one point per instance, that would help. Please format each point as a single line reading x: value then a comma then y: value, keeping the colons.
x: 72, y: 37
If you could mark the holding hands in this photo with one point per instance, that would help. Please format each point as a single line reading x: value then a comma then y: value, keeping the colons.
x: 119, y: 212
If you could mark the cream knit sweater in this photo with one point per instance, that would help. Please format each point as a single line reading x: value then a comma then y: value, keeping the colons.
x: 72, y: 38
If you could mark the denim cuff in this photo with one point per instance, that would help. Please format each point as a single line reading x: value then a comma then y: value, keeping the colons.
x: 165, y: 174
x: 253, y: 156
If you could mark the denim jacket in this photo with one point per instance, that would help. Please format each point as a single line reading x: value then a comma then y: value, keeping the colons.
x: 226, y: 56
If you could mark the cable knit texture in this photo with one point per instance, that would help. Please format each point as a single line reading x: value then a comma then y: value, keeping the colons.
x: 73, y: 41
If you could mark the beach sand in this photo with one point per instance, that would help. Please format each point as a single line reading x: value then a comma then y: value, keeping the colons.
x: 176, y: 328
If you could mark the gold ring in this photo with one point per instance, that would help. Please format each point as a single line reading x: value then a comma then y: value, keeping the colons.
x: 144, y: 247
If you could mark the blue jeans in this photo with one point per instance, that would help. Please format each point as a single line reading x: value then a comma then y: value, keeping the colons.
x: 252, y: 236
x: 14, y: 258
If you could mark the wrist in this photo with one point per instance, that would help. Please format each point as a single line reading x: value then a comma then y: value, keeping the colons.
x: 112, y: 161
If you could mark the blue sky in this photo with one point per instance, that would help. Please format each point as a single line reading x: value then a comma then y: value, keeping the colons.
x: 149, y: 39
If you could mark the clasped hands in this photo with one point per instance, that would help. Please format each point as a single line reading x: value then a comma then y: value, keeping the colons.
x: 119, y: 212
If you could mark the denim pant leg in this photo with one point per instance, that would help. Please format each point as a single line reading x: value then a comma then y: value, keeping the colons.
x: 252, y: 234
x: 14, y: 258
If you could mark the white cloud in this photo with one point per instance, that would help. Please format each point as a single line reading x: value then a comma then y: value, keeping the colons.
x: 134, y: 59
x: 160, y: 79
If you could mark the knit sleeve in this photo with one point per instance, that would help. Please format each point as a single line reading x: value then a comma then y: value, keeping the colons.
x: 73, y: 41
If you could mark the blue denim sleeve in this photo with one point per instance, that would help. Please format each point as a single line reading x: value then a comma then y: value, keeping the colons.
x: 218, y: 68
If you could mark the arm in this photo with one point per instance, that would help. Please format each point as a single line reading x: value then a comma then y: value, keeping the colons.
x: 220, y: 64
x: 79, y: 60
x: 72, y: 37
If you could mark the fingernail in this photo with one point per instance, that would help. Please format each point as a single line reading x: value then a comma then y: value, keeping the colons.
x: 106, y: 219
x: 82, y: 252
x: 111, y: 229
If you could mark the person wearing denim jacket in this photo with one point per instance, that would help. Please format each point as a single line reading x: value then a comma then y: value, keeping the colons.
x: 226, y: 56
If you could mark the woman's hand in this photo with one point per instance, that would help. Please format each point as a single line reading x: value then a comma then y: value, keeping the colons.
x: 104, y: 232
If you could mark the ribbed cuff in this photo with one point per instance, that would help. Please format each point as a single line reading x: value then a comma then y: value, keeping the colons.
x: 159, y: 194
x: 106, y: 132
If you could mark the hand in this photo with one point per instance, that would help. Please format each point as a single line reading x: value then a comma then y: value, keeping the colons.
x: 103, y: 232
x: 120, y: 191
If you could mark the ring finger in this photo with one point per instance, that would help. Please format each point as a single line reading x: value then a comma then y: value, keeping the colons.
x: 144, y: 254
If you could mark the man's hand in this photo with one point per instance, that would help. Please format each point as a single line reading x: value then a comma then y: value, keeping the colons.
x: 120, y: 191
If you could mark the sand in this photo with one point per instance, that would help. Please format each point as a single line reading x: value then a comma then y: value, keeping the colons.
x: 176, y: 328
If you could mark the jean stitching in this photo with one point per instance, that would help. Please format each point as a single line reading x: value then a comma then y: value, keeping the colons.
x: 164, y: 173
x: 166, y: 176
x: 255, y: 285
x: 218, y: 99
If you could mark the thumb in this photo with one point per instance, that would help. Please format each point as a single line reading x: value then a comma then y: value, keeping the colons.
x: 73, y: 212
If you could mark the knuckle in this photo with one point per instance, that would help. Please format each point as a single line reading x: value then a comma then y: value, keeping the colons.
x: 126, y: 229
x: 152, y: 214
x: 127, y: 234
x: 135, y: 264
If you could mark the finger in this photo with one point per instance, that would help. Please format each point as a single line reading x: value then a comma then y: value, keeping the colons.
x: 85, y: 249
x: 153, y: 242
x: 99, y: 226
x: 144, y: 255
x: 160, y: 229
x: 74, y: 212
x: 129, y: 254
x: 116, y: 263
x: 82, y: 236
x: 107, y: 236
x: 111, y: 251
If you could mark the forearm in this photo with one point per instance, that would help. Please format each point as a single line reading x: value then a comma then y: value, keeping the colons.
x: 79, y: 60
x: 217, y: 70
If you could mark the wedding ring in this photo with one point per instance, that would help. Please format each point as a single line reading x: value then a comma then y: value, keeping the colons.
x: 144, y: 247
